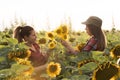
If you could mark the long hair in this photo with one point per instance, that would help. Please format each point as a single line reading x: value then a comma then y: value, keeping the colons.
x: 20, y: 32
x: 99, y: 35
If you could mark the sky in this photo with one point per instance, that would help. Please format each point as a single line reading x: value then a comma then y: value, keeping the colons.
x: 49, y: 14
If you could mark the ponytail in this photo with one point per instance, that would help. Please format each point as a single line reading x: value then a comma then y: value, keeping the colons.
x: 17, y: 34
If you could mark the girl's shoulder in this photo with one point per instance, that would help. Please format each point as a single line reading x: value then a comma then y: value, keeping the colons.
x: 92, y: 39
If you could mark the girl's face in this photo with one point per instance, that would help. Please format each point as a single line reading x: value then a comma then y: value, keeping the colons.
x: 31, y: 38
x: 88, y: 31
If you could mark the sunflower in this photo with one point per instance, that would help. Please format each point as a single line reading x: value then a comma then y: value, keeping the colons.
x: 23, y: 61
x: 53, y: 69
x: 106, y: 71
x: 23, y: 54
x: 58, y: 31
x: 115, y: 51
x: 64, y: 36
x: 72, y: 39
x: 42, y: 41
x: 78, y: 33
x: 19, y: 54
x: 52, y: 44
x: 11, y: 56
x: 64, y: 29
x: 83, y: 62
x: 80, y: 46
x: 50, y: 35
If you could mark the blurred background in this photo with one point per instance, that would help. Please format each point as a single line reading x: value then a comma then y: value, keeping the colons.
x: 49, y: 14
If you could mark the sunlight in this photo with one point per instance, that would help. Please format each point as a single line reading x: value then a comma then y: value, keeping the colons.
x: 48, y: 14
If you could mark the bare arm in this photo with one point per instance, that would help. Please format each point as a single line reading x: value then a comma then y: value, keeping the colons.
x: 68, y: 47
x: 40, y: 69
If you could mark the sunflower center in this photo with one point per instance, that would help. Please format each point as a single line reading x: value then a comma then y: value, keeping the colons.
x: 50, y: 35
x: 64, y: 28
x: 53, y: 68
x: 117, y: 51
x: 51, y: 45
x: 58, y: 31
x: 42, y: 41
x: 65, y: 36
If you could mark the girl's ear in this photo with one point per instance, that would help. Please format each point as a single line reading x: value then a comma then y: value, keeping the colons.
x: 25, y: 38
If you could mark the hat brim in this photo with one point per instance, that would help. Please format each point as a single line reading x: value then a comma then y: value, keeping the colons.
x: 84, y: 22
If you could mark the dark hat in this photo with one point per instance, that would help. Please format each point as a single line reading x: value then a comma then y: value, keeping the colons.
x: 96, y: 21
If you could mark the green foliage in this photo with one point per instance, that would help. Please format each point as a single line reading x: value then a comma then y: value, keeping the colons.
x: 69, y: 63
x: 14, y: 72
x: 12, y: 46
x: 112, y: 38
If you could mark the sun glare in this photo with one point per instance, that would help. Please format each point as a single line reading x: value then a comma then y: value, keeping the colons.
x: 49, y: 14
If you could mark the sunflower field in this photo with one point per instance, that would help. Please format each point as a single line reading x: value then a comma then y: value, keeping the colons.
x: 95, y: 65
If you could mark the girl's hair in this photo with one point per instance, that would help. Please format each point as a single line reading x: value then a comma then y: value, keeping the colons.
x: 99, y: 35
x: 20, y: 32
